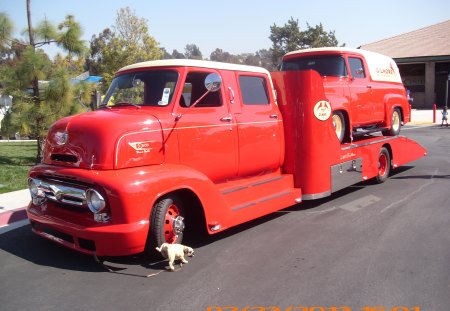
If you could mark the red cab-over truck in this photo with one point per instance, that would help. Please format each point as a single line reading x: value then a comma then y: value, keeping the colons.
x: 178, y: 144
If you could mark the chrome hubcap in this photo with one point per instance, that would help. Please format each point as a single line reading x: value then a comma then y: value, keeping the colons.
x: 395, y: 121
x: 178, y: 225
x: 337, y: 125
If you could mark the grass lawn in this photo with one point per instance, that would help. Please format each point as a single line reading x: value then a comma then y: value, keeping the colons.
x: 16, y: 158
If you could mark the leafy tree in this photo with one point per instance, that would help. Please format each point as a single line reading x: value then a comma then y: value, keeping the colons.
x: 166, y: 55
x: 127, y: 42
x: 316, y: 37
x: 42, y: 92
x: 261, y: 58
x: 177, y: 55
x: 192, y: 51
x: 285, y: 39
x: 289, y: 38
x: 219, y: 55
x: 6, y: 29
x: 265, y: 59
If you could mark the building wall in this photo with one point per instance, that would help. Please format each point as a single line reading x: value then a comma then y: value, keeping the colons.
x: 414, y: 79
x: 427, y: 82
x: 442, y: 70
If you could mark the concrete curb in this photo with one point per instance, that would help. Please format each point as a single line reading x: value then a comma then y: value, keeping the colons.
x: 12, y: 209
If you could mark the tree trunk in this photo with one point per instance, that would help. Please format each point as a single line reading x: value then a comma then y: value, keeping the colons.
x: 30, y: 25
x: 35, y: 87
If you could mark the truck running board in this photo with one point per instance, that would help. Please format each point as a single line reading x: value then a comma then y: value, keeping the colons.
x: 260, y: 195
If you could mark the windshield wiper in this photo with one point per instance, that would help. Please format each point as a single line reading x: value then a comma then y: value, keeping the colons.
x: 103, y: 106
x: 127, y: 104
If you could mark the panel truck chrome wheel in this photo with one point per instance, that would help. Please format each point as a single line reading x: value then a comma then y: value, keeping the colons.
x: 166, y: 223
x: 339, y: 125
x: 396, y: 123
x: 384, y: 165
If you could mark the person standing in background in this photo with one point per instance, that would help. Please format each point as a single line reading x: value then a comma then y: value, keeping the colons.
x: 444, y: 116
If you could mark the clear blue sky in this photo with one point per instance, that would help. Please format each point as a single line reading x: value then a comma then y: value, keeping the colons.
x: 239, y: 26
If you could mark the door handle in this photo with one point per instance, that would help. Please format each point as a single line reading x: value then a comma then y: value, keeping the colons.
x: 273, y: 116
x: 369, y: 86
x: 226, y: 119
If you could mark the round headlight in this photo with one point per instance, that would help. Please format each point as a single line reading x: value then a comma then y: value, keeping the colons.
x: 33, y: 186
x: 95, y: 201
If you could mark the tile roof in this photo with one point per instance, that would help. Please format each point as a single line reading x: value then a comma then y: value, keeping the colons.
x: 433, y: 40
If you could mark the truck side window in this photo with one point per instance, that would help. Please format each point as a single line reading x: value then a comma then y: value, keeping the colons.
x: 194, y: 88
x: 356, y: 67
x: 254, y: 90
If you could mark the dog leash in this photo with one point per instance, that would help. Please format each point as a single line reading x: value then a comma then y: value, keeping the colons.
x: 108, y: 268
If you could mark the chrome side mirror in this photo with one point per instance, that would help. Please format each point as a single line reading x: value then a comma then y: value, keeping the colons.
x: 213, y: 81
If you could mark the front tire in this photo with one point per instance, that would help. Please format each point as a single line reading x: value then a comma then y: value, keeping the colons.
x: 384, y: 165
x: 166, y: 223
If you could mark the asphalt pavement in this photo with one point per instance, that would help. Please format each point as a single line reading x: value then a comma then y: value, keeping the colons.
x: 369, y: 247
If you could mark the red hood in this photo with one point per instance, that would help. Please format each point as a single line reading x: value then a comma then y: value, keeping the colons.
x: 106, y: 139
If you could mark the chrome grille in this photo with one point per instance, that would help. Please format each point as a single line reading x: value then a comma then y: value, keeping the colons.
x: 61, y: 193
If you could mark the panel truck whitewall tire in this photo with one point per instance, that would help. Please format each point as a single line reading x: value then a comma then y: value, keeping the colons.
x: 396, y: 123
x: 339, y: 125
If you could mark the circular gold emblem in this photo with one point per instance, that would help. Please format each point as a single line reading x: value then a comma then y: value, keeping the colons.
x: 322, y: 110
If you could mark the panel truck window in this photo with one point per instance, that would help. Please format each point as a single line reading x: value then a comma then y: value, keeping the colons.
x: 329, y: 65
x: 149, y: 88
x: 193, y: 90
x: 356, y: 67
x: 254, y: 90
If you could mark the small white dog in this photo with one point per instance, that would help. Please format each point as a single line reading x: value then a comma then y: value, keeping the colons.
x: 174, y: 252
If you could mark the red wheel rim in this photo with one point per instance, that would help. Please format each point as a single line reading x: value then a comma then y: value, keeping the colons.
x: 382, y: 164
x: 169, y: 231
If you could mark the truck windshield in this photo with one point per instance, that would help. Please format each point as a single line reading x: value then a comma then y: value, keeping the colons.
x: 147, y: 88
x: 328, y: 65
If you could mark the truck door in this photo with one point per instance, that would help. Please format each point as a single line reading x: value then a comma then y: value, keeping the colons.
x: 206, y: 131
x: 260, y: 129
x: 364, y: 108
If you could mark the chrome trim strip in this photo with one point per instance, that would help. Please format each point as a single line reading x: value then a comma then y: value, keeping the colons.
x: 281, y: 194
x: 234, y: 190
x: 258, y: 183
x: 243, y: 206
x: 234, y: 124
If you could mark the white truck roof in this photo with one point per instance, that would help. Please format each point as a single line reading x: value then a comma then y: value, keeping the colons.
x: 195, y: 63
x: 381, y: 67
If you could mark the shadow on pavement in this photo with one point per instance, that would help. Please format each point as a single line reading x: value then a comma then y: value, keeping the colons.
x: 23, y: 243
